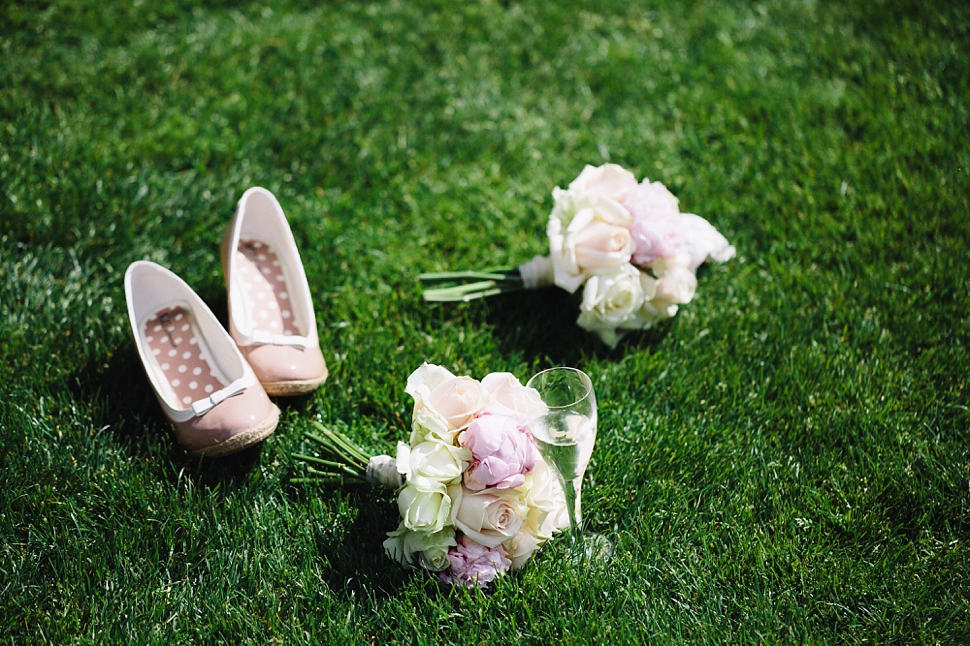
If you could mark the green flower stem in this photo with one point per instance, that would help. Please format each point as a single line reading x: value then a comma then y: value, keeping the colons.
x: 326, y: 463
x: 348, y: 466
x: 329, y: 480
x: 459, y: 276
x: 455, y: 286
x: 346, y: 472
x: 339, y: 445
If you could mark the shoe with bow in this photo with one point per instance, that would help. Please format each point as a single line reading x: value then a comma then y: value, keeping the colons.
x: 206, y: 388
x: 271, y: 315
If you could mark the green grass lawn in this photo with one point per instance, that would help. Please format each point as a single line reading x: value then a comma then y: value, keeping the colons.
x: 787, y: 461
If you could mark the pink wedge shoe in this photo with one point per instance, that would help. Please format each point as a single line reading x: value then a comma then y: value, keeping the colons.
x: 206, y: 388
x: 270, y: 312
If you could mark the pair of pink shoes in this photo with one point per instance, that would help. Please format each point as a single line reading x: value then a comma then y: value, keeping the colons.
x: 212, y: 385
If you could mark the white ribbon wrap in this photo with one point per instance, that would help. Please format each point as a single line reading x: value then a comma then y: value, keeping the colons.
x: 538, y: 272
x: 382, y: 470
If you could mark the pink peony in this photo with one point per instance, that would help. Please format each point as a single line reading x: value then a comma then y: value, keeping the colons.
x: 473, y: 564
x: 502, y: 452
x: 660, y: 230
x: 657, y: 222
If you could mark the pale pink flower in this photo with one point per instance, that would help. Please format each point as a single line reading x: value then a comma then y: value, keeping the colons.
x: 473, y: 564
x: 675, y: 285
x: 660, y: 230
x: 586, y: 234
x: 443, y: 403
x: 502, y: 452
x: 657, y: 223
x: 588, y: 229
x: 608, y: 180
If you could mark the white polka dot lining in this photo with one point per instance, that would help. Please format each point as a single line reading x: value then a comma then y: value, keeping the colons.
x: 196, y: 361
x: 266, y: 299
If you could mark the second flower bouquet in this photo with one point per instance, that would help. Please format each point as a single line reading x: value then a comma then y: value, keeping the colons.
x: 475, y: 495
x: 625, y: 243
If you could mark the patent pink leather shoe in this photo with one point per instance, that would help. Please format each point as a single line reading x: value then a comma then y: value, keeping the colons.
x: 270, y: 313
x: 204, y: 385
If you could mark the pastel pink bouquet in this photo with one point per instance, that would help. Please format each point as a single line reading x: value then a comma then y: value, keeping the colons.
x: 478, y: 498
x: 475, y: 496
x: 625, y: 243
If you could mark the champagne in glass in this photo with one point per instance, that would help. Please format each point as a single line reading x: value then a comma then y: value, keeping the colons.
x: 566, y: 442
x: 565, y: 434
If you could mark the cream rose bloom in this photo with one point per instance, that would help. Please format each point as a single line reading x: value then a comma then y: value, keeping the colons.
x: 443, y: 403
x: 609, y: 180
x: 424, y: 511
x: 429, y: 551
x: 610, y: 300
x: 544, y: 498
x: 676, y: 284
x: 489, y: 517
x: 588, y: 229
x: 509, y: 393
x: 523, y: 545
x: 431, y: 466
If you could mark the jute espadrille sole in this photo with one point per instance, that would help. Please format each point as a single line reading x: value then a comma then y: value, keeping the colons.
x: 245, y: 439
x: 289, y: 388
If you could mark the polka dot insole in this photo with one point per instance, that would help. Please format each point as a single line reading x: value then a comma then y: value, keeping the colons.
x: 174, y: 341
x: 263, y: 282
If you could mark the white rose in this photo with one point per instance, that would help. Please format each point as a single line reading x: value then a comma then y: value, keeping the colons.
x: 435, y: 557
x: 424, y: 511
x: 431, y: 466
x: 543, y: 491
x: 430, y: 551
x: 395, y: 545
x: 426, y: 424
x: 702, y: 241
x: 610, y: 300
x: 661, y: 296
x: 649, y: 314
x: 608, y: 180
x: 442, y: 399
x: 489, y: 517
x: 587, y: 233
x: 508, y: 392
x: 675, y: 284
x: 543, y: 496
x: 523, y: 545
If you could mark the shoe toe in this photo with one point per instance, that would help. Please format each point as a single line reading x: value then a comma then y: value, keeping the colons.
x: 276, y: 365
x: 231, y: 425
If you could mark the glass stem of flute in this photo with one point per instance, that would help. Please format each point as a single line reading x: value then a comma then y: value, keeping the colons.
x: 569, y: 488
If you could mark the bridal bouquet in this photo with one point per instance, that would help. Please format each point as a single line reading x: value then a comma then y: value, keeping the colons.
x: 475, y: 496
x: 626, y: 244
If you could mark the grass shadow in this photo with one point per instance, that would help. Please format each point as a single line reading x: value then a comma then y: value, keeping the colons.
x: 125, y: 402
x: 215, y: 474
x: 540, y: 327
x: 126, y: 406
x: 356, y: 563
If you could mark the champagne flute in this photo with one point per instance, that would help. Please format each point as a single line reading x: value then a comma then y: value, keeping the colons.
x: 565, y: 435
